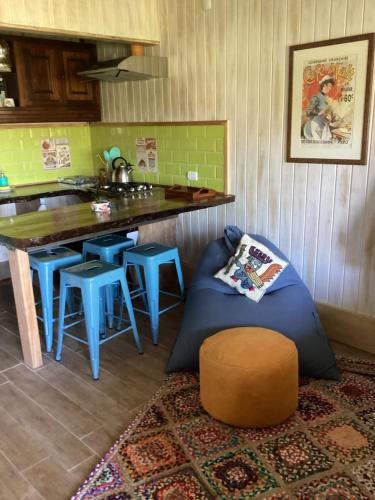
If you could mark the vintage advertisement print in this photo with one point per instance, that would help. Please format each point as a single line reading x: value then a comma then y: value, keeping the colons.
x: 329, y: 99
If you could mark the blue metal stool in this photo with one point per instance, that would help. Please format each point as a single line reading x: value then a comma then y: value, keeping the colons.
x: 151, y: 256
x: 92, y: 277
x: 45, y: 262
x: 108, y: 248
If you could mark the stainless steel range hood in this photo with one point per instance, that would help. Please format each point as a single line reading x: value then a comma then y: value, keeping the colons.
x: 134, y: 67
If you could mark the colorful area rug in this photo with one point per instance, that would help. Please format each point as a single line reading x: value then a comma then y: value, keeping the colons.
x: 175, y: 451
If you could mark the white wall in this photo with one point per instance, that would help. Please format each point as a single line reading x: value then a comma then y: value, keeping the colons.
x: 129, y: 19
x: 231, y: 62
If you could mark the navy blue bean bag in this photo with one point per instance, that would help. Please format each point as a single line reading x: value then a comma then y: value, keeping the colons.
x: 286, y: 307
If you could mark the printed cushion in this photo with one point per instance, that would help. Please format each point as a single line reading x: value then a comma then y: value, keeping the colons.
x: 252, y: 269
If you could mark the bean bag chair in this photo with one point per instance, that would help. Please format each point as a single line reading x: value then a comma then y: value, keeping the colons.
x: 287, y: 307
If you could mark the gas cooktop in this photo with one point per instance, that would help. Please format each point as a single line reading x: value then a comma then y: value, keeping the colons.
x: 127, y: 189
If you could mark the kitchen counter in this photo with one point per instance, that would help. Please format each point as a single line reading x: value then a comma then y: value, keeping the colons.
x: 69, y: 223
x: 35, y: 229
x: 35, y: 191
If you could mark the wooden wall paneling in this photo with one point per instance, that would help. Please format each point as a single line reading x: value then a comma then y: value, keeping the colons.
x: 198, y: 220
x: 211, y: 94
x: 326, y: 200
x: 301, y: 169
x: 231, y: 99
x: 242, y: 41
x: 366, y: 289
x: 357, y: 197
x: 174, y: 58
x: 182, y: 59
x: 314, y: 174
x: 221, y: 94
x: 341, y: 200
x: 165, y: 50
x: 265, y: 77
x: 128, y: 19
x: 287, y: 179
x: 277, y: 119
x: 253, y: 63
x: 366, y: 292
x: 336, y: 15
x: 339, y: 234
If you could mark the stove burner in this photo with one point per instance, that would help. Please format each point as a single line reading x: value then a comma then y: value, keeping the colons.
x: 127, y: 189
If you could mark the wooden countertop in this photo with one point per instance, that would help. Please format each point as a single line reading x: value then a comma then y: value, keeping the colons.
x: 74, y: 221
x: 32, y: 192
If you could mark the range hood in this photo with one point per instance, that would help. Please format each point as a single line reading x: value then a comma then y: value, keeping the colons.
x: 137, y: 66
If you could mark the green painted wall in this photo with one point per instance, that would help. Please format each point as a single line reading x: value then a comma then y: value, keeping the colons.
x: 21, y: 158
x: 180, y: 148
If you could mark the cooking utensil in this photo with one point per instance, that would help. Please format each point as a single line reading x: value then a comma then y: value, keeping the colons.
x: 107, y: 156
x: 114, y: 152
x: 121, y: 170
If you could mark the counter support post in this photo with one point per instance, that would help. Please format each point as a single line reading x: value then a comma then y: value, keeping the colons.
x: 25, y: 306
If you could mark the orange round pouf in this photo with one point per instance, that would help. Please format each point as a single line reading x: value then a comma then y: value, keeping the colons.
x: 249, y: 377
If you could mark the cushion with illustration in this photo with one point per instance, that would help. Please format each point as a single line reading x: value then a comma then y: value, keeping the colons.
x: 252, y: 269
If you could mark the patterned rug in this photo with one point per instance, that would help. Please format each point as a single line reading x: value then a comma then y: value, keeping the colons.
x: 175, y: 451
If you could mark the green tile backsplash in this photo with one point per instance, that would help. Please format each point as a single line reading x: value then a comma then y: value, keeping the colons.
x: 21, y: 158
x: 181, y: 148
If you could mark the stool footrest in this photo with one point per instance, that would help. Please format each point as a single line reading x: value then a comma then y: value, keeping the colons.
x: 161, y: 311
x: 102, y: 341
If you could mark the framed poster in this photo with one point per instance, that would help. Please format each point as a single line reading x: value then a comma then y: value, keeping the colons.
x: 329, y: 100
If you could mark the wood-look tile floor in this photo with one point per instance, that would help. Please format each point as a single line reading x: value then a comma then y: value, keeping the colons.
x: 57, y: 422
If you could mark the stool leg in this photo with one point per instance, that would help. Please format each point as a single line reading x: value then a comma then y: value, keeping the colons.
x: 91, y: 306
x: 140, y: 285
x: 70, y: 300
x: 102, y: 301
x: 152, y: 288
x: 46, y: 291
x: 128, y: 302
x: 60, y: 332
x: 179, y: 275
x: 109, y: 301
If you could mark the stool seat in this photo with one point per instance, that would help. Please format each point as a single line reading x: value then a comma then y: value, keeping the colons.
x: 249, y: 377
x: 46, y: 262
x: 93, y: 278
x: 108, y: 248
x: 150, y: 256
x: 153, y: 251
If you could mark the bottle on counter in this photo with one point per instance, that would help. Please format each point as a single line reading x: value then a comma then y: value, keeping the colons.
x: 3, y: 180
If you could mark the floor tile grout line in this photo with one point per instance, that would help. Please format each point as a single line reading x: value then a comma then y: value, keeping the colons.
x: 20, y: 472
x: 71, y: 470
x: 10, y: 368
x: 70, y: 399
x: 46, y: 411
x: 26, y: 469
x: 72, y: 374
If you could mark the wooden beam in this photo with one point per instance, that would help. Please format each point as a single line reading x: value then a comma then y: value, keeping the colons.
x: 25, y: 307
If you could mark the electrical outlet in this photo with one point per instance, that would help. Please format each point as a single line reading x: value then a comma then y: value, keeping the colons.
x: 192, y: 176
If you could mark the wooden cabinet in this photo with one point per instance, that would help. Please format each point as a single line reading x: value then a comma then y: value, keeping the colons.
x: 46, y: 86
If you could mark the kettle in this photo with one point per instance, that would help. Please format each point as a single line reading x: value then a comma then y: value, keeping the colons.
x: 121, y: 170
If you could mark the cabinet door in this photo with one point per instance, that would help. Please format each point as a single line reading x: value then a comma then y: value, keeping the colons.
x: 40, y: 74
x: 77, y: 88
